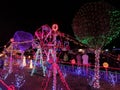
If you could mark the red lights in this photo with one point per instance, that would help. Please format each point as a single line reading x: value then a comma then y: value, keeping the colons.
x: 54, y: 27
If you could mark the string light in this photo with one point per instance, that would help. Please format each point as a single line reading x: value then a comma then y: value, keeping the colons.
x: 96, y: 24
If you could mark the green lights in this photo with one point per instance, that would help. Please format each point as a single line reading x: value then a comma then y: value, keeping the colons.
x: 99, y: 30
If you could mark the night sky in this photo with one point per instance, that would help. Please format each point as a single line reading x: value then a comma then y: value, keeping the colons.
x: 28, y: 15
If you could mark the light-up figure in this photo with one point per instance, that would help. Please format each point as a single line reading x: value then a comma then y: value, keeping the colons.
x: 85, y: 59
x: 49, y: 45
x: 45, y: 45
x: 37, y: 54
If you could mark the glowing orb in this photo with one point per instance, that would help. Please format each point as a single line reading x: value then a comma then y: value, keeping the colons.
x: 105, y: 65
x: 73, y: 61
x: 55, y: 27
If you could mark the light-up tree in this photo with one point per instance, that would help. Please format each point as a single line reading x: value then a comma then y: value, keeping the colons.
x: 96, y: 24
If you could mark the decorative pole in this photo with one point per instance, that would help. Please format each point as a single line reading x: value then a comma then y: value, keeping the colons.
x: 106, y: 65
x: 54, y: 28
x: 11, y: 53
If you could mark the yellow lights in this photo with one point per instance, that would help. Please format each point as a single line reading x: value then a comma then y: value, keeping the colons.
x: 1, y: 54
x: 105, y: 65
x: 29, y: 57
x: 81, y: 50
x: 24, y: 61
x: 31, y: 64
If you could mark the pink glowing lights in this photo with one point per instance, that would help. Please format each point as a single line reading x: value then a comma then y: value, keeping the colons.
x: 54, y: 27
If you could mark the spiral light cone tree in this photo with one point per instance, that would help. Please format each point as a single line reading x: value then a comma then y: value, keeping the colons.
x: 96, y: 24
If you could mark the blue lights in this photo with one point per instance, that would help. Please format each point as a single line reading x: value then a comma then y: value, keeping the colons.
x: 109, y: 76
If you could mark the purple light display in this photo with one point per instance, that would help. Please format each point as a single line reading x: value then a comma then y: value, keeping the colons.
x: 23, y: 39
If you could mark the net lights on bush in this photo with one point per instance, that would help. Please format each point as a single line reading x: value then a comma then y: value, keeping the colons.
x: 96, y: 24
